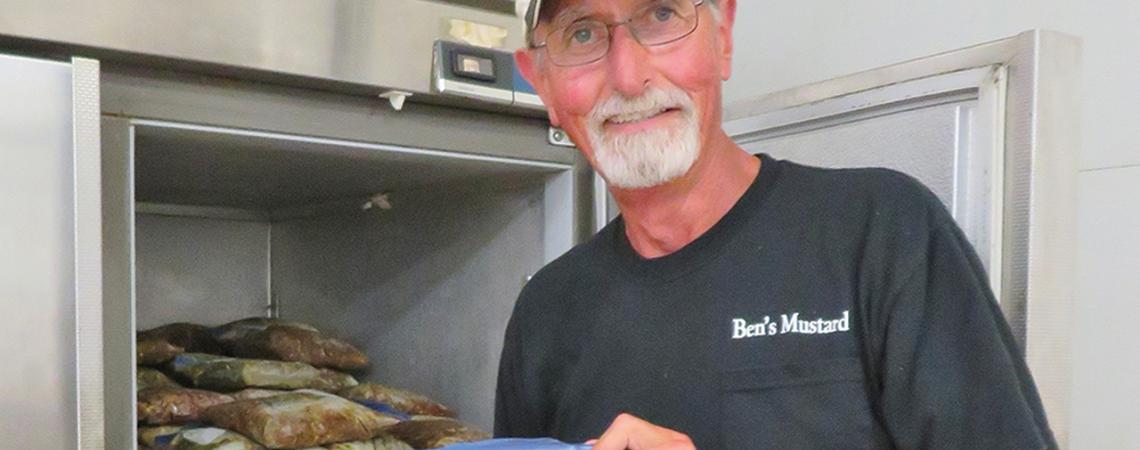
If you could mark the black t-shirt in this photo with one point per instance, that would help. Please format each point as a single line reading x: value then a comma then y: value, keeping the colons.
x: 827, y: 309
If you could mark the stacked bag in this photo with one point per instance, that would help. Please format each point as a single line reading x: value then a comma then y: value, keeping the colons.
x: 260, y: 383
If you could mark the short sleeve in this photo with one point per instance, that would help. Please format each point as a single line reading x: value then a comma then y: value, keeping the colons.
x: 950, y: 373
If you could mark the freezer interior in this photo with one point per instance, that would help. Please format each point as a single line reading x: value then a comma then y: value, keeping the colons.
x: 413, y: 255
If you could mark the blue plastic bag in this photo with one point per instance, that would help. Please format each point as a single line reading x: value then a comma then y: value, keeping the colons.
x: 519, y: 444
x: 385, y: 408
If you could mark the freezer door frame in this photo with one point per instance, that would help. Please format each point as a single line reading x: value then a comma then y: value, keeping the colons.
x: 86, y: 82
x: 137, y: 99
x: 1029, y: 95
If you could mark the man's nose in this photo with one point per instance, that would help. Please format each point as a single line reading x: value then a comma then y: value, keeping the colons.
x: 628, y: 63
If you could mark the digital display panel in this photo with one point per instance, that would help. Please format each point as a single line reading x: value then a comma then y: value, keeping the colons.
x: 477, y: 67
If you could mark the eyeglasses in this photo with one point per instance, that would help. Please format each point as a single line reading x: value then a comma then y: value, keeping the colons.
x: 658, y: 22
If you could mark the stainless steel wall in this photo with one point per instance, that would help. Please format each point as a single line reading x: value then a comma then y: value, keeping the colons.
x: 426, y: 288
x: 199, y: 270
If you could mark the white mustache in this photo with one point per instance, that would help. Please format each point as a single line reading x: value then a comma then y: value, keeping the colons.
x: 653, y: 101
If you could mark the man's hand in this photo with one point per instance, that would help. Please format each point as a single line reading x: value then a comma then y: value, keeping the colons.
x: 632, y: 433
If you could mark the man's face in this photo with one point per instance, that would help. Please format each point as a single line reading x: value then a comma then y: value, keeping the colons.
x: 641, y: 114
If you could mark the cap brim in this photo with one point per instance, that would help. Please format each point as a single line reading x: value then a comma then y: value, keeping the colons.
x: 527, y: 10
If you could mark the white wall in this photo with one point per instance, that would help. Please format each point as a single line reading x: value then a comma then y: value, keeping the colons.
x: 782, y: 44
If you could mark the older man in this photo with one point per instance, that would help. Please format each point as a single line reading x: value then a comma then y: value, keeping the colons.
x: 740, y: 301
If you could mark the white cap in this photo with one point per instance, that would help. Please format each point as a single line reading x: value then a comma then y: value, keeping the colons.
x: 527, y: 10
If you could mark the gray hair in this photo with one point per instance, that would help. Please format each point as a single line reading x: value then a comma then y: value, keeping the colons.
x: 715, y: 9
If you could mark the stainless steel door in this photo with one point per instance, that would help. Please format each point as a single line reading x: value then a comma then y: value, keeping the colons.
x: 51, y: 386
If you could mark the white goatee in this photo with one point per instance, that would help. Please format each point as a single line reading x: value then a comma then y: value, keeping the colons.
x: 650, y: 157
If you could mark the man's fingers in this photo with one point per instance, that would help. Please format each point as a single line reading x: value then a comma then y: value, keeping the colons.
x: 631, y: 433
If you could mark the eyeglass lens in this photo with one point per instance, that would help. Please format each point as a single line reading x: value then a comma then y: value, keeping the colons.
x: 655, y: 22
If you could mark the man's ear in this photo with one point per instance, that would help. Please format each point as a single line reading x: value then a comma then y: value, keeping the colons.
x: 524, y: 60
x: 724, y: 35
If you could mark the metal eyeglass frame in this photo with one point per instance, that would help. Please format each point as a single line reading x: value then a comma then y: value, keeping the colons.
x: 610, y: 37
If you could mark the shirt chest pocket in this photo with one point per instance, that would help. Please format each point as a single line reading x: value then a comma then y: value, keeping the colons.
x: 817, y: 404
